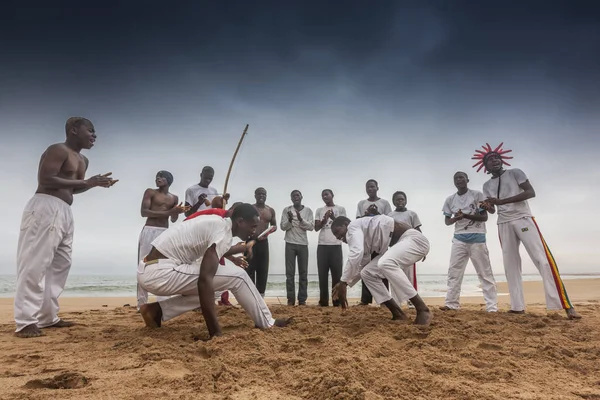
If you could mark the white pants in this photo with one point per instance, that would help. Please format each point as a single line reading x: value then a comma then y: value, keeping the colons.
x: 166, y: 278
x: 526, y: 231
x: 147, y: 236
x: 43, y: 260
x: 411, y: 247
x: 459, y: 257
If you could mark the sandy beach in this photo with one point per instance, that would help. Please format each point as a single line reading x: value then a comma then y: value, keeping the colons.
x: 324, y: 354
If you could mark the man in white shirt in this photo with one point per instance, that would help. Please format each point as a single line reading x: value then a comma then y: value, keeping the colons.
x: 296, y: 220
x: 184, y: 263
x: 380, y: 248
x: 509, y: 190
x: 329, y: 249
x: 462, y: 210
x: 410, y: 218
x: 199, y: 196
x: 373, y: 205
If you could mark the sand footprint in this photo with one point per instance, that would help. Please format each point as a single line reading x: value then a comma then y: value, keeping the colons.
x: 66, y: 380
x: 489, y: 346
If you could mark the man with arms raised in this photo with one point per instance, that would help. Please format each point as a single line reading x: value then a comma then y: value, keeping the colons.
x: 157, y: 206
x: 46, y: 237
x: 258, y: 268
x: 184, y: 263
x: 380, y: 248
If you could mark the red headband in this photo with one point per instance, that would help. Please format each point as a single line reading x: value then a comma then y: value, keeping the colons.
x: 483, y: 155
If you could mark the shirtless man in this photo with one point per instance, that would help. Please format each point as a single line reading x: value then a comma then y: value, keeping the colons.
x: 157, y: 206
x: 46, y: 237
x: 258, y: 268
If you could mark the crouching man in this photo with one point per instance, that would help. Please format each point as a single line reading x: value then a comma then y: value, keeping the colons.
x: 184, y: 263
x: 380, y: 248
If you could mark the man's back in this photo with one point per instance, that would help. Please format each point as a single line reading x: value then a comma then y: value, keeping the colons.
x: 376, y: 231
x: 186, y: 243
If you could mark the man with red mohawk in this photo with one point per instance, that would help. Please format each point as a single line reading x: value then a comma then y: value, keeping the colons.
x: 509, y: 190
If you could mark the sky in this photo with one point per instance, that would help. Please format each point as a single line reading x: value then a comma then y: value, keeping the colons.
x: 400, y: 92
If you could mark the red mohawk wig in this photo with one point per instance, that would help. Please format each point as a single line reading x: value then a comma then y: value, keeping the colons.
x: 482, y: 156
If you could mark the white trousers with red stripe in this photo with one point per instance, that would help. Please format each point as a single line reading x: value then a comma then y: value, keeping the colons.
x: 526, y: 231
x: 167, y: 278
x: 459, y: 257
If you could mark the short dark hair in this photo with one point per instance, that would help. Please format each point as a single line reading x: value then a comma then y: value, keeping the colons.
x: 208, y: 168
x: 460, y: 172
x: 245, y: 211
x: 372, y: 180
x: 399, y: 192
x: 234, y: 205
x: 339, y: 221
x: 260, y: 188
x: 76, y: 122
x: 327, y: 190
x: 295, y: 190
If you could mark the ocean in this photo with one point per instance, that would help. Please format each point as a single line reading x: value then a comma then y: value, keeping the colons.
x: 125, y: 285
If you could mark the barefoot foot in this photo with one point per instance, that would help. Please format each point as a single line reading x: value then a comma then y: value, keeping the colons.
x: 61, y: 324
x: 572, y: 314
x: 516, y: 312
x: 423, y: 318
x: 30, y: 331
x: 152, y: 314
x: 446, y: 308
x: 399, y: 316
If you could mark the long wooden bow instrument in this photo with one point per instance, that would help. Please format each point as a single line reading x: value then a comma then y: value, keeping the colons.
x: 232, y: 160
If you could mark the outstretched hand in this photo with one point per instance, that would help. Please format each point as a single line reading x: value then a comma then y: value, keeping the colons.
x: 103, y: 180
x: 239, y: 261
x: 494, y: 201
x: 338, y: 293
x: 486, y: 205
x: 179, y: 209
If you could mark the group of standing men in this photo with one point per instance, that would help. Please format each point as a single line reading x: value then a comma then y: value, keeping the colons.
x: 467, y: 210
x: 185, y: 266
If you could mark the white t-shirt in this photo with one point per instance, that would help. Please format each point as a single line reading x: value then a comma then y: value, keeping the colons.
x: 192, y: 193
x: 186, y: 243
x: 408, y: 217
x: 468, y: 203
x: 383, y: 206
x: 326, y: 237
x: 509, y: 186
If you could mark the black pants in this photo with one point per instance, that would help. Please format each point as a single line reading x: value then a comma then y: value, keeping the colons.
x: 366, y: 297
x: 258, y: 267
x: 329, y: 258
x: 293, y: 251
